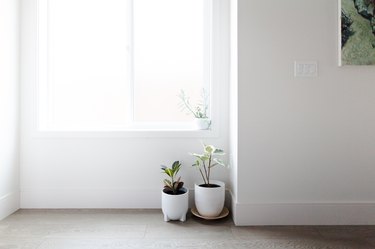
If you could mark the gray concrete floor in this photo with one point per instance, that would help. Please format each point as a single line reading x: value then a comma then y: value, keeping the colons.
x: 117, y: 229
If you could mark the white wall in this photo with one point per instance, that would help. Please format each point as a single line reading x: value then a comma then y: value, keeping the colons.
x: 233, y: 96
x: 306, y: 146
x: 103, y: 170
x: 9, y: 122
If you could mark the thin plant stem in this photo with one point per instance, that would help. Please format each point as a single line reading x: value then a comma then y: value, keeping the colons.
x: 200, y: 170
x: 205, y: 171
x: 209, y: 169
x: 173, y: 189
x: 187, y: 105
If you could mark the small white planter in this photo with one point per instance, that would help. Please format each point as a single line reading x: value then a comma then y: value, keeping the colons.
x: 202, y: 123
x: 175, y: 207
x: 210, y: 201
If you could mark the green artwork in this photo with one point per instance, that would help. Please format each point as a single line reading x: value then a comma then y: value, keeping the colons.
x: 357, y: 39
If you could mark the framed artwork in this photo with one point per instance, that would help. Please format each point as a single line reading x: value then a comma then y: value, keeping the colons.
x: 357, y: 32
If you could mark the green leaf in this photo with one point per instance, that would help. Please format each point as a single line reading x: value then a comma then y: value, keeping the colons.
x: 167, y: 183
x: 197, y: 155
x: 209, y: 149
x: 219, y: 152
x: 169, y: 172
x: 202, y: 157
x: 197, y: 163
x: 219, y: 161
x: 168, y: 189
x: 176, y: 166
x: 213, y: 165
x: 180, y: 185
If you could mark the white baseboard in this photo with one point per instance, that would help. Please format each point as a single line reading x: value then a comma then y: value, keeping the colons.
x: 96, y: 198
x: 9, y: 203
x: 90, y: 198
x: 244, y: 214
x: 258, y: 214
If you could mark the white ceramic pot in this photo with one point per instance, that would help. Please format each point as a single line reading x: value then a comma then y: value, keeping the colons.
x: 210, y: 201
x: 175, y: 207
x: 202, y: 123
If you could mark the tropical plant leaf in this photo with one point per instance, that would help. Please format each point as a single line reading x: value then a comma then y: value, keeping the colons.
x: 219, y: 161
x: 175, y: 185
x: 202, y: 157
x: 168, y: 189
x: 169, y: 173
x: 196, y: 164
x: 219, y: 152
x: 196, y: 154
x: 209, y: 149
x: 213, y: 165
x: 204, y: 162
x: 167, y: 183
x: 176, y: 167
x: 180, y: 185
x: 170, y: 185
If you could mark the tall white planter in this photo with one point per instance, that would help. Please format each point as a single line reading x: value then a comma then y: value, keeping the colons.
x: 175, y: 207
x: 210, y: 201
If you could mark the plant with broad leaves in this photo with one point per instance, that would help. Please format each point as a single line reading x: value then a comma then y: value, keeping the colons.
x: 172, y: 186
x: 206, y: 161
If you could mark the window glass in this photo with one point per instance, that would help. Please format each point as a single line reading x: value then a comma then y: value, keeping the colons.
x: 116, y: 64
x: 168, y: 57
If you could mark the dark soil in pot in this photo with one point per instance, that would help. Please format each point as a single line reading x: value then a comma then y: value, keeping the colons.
x: 209, y: 186
x: 180, y: 192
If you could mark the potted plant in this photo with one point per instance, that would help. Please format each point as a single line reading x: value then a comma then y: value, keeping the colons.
x: 199, y: 111
x: 175, y: 198
x: 209, y: 195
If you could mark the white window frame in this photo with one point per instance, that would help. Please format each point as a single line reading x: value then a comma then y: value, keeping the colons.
x: 219, y: 81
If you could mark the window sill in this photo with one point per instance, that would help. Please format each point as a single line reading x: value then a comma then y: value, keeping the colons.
x: 144, y: 133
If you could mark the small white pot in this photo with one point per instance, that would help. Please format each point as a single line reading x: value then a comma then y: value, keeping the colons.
x: 175, y: 207
x: 202, y: 123
x: 210, y: 201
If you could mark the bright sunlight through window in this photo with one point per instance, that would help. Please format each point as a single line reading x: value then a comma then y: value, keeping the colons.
x: 121, y: 64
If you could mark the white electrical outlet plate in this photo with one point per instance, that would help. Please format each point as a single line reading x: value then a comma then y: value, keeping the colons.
x: 305, y: 69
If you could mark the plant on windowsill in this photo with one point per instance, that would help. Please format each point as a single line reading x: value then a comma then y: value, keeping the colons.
x: 209, y: 195
x: 199, y: 111
x: 175, y: 198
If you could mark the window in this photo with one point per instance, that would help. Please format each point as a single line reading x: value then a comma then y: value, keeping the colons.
x: 120, y: 64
